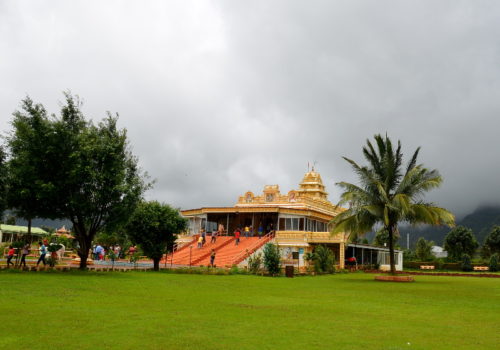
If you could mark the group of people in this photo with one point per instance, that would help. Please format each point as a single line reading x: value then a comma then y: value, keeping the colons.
x: 99, y: 252
x: 25, y: 250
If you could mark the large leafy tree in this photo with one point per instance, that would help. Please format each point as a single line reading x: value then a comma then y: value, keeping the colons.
x: 98, y: 183
x: 87, y: 173
x: 28, y: 142
x: 492, y: 242
x: 3, y: 182
x: 154, y: 227
x: 388, y: 194
x: 460, y: 241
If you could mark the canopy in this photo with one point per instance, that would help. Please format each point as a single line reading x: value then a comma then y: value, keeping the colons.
x: 23, y: 230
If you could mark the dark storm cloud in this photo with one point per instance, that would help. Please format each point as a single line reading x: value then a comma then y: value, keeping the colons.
x: 224, y: 97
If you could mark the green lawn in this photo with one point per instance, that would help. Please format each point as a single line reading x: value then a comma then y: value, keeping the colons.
x: 146, y: 310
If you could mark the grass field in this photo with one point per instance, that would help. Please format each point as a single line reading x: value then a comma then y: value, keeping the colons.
x: 145, y: 310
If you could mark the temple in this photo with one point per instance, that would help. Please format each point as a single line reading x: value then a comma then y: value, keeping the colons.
x: 296, y: 221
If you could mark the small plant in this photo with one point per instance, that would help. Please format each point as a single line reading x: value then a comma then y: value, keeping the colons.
x: 272, y: 259
x: 466, y: 263
x: 235, y: 270
x: 324, y: 260
x: 52, y: 261
x: 134, y: 258
x: 112, y: 256
x: 254, y: 263
x: 494, y: 263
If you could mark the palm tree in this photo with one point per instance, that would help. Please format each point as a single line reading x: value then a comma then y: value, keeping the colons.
x: 388, y: 194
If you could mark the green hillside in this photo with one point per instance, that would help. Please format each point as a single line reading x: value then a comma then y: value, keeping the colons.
x: 480, y: 221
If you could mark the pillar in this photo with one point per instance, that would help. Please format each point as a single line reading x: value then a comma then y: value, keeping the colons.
x: 342, y: 255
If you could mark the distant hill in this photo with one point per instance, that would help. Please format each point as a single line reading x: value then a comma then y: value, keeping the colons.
x: 480, y: 221
x: 37, y: 222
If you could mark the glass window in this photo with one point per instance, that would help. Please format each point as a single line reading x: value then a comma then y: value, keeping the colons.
x: 301, y: 224
x: 282, y: 224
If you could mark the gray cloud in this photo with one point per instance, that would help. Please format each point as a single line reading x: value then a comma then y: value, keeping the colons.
x: 224, y: 97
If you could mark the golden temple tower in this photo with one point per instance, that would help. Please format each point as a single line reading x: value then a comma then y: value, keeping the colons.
x: 312, y: 186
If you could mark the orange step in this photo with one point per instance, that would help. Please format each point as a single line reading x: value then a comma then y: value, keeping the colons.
x: 232, y: 254
x: 187, y: 254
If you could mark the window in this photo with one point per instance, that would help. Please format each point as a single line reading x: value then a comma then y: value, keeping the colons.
x: 281, y: 225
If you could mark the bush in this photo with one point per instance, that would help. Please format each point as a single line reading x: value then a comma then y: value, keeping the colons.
x: 272, y: 259
x: 423, y: 251
x: 460, y: 241
x: 494, y: 263
x: 466, y: 263
x: 324, y: 260
x: 254, y: 263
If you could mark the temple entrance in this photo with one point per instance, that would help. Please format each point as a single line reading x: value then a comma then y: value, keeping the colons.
x: 232, y: 221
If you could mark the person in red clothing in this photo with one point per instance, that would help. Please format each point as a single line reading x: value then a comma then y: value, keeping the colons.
x: 237, y: 234
x: 10, y: 255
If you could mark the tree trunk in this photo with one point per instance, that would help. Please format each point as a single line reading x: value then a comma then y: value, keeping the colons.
x: 391, y: 230
x: 156, y: 264
x: 83, y: 251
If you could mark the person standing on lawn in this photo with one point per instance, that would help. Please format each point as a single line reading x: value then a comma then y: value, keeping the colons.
x: 43, y: 251
x: 25, y: 252
x: 10, y: 255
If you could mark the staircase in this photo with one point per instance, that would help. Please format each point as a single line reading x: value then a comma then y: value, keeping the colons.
x: 232, y: 254
x: 182, y: 256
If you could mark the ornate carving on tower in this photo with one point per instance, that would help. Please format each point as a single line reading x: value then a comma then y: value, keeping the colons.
x: 312, y: 186
x: 271, y: 193
x: 249, y: 197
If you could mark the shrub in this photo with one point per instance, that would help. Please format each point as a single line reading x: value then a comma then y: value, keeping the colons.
x: 494, y: 263
x: 272, y: 259
x: 466, y: 263
x: 235, y: 270
x: 459, y: 241
x: 324, y: 260
x: 423, y: 251
x: 254, y: 263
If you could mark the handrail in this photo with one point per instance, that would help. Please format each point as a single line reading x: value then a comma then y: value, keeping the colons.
x: 248, y: 252
x: 207, y: 254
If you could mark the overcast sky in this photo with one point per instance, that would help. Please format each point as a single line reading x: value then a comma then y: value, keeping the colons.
x: 221, y: 97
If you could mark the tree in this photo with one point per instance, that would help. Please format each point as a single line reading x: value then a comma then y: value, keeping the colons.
x: 324, y: 259
x: 492, y: 242
x: 27, y: 165
x: 460, y: 241
x: 272, y: 259
x: 3, y: 182
x: 381, y: 238
x: 88, y: 174
x: 423, y: 250
x: 388, y: 194
x: 10, y: 220
x: 493, y: 265
x: 154, y: 227
x: 466, y: 263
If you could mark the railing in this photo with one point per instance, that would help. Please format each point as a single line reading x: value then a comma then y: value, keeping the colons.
x: 249, y: 251
x: 207, y: 254
x: 176, y: 247
x: 310, y: 237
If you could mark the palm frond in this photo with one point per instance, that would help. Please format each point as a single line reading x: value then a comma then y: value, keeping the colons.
x: 426, y: 213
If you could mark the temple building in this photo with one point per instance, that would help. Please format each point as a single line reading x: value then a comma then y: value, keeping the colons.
x: 296, y: 221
